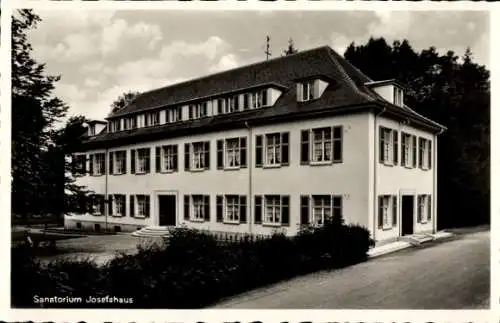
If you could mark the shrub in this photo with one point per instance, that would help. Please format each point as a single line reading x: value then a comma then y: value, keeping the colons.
x: 193, y: 269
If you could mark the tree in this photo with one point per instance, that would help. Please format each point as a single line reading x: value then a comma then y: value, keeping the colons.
x: 123, y: 100
x: 456, y: 94
x: 291, y: 48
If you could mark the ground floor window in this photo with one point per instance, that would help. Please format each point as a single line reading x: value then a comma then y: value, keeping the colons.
x: 316, y: 210
x: 424, y: 208
x: 98, y: 204
x: 387, y: 211
x: 118, y: 205
x: 197, y: 208
x: 231, y: 209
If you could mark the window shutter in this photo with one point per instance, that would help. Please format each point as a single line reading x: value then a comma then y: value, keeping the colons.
x: 219, y: 106
x: 264, y: 97
x: 206, y: 202
x: 147, y: 201
x: 419, y: 209
x: 132, y: 162
x: 236, y: 99
x: 191, y: 112
x: 158, y: 160
x: 186, y: 208
x: 285, y: 149
x: 91, y: 164
x: 404, y: 143
x: 380, y: 212
x: 110, y: 204
x: 131, y: 207
x: 414, y: 151
x: 207, y: 154
x: 246, y: 104
x: 148, y: 160
x: 337, y: 143
x: 299, y: 92
x: 219, y: 207
x: 243, y: 209
x: 304, y: 210
x: 175, y: 159
x: 243, y: 152
x: 285, y: 210
x: 102, y: 205
x: 186, y: 157
x: 258, y: 209
x: 395, y: 134
x: 258, y: 151
x: 304, y: 147
x: 429, y: 154
x: 394, y: 211
x: 220, y: 154
x: 429, y: 207
x: 381, y: 144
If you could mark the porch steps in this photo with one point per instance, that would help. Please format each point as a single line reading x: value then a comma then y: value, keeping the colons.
x: 152, y: 232
x: 418, y: 239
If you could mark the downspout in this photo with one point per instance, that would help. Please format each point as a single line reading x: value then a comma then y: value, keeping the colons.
x: 250, y: 182
x: 375, y: 162
x: 108, y: 203
x: 434, y: 180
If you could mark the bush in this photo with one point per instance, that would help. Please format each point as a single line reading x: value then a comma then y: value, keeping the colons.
x: 192, y: 270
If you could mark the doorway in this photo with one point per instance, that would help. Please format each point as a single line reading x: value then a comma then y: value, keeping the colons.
x: 407, y: 216
x: 167, y: 210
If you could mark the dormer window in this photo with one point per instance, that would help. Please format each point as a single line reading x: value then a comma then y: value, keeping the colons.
x: 174, y: 115
x: 310, y: 89
x: 152, y: 119
x: 130, y: 123
x: 259, y: 99
x: 115, y: 125
x: 91, y: 131
x: 197, y: 111
x: 398, y: 96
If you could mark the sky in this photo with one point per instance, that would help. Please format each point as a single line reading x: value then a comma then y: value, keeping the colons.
x: 101, y: 54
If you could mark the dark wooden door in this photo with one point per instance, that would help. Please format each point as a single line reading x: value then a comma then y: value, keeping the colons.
x: 407, y: 215
x: 167, y: 210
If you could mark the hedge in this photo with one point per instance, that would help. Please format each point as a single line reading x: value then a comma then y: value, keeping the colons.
x: 191, y: 271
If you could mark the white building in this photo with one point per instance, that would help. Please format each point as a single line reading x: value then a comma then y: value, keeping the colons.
x: 265, y: 147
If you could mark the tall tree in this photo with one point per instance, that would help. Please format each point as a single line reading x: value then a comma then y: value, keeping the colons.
x: 455, y: 93
x: 123, y: 100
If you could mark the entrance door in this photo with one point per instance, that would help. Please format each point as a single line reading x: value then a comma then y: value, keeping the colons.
x: 407, y: 214
x: 167, y: 210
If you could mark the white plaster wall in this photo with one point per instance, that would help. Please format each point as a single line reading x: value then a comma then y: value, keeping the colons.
x: 385, y: 91
x: 349, y: 178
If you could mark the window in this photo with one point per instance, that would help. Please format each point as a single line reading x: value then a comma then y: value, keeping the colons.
x: 166, y: 158
x: 97, y: 164
x: 92, y: 130
x: 197, y: 111
x: 140, y: 161
x: 387, y: 211
x: 388, y: 146
x: 424, y: 214
x: 307, y: 90
x: 152, y: 118
x: 231, y: 153
x: 232, y: 104
x: 173, y: 115
x: 247, y: 100
x: 117, y: 205
x: 325, y: 147
x: 118, y: 162
x: 317, y: 210
x: 272, y: 208
x: 115, y: 125
x: 322, y: 209
x: 130, y: 123
x: 409, y: 150
x: 231, y: 209
x: 98, y: 204
x: 398, y: 96
x: 197, y: 156
x: 79, y: 164
x: 425, y: 153
x: 143, y: 206
x: 272, y: 150
x: 259, y: 99
x: 197, y: 208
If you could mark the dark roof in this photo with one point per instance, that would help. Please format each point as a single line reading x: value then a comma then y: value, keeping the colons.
x: 346, y: 89
x: 96, y: 121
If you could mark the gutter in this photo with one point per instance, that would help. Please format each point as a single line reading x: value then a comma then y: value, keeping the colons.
x: 434, y: 179
x: 375, y: 162
x: 250, y: 179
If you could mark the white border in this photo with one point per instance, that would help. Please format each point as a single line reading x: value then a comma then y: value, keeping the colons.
x: 245, y: 315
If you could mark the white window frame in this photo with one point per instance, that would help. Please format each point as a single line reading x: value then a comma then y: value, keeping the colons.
x: 99, y: 167
x: 152, y: 119
x: 198, y: 206
x: 167, y: 158
x: 140, y: 160
x: 423, y: 201
x: 308, y: 90
x: 235, y: 151
x: 119, y: 201
x: 398, y: 96
x: 273, y: 203
x: 323, y: 207
x: 230, y: 104
x: 142, y: 204
x: 80, y: 162
x: 408, y: 150
x: 273, y: 142
x: 96, y: 201
x: 426, y: 151
x: 388, y: 146
x: 231, y: 207
x: 386, y: 214
x: 117, y: 164
x: 323, y: 142
x: 173, y: 115
x: 197, y: 155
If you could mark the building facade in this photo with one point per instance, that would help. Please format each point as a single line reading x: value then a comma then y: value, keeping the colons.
x: 263, y: 148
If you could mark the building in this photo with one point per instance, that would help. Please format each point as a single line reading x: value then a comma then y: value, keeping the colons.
x: 265, y: 147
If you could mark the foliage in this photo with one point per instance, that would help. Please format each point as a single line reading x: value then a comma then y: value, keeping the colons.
x: 291, y: 48
x: 456, y: 93
x: 123, y: 100
x: 193, y: 270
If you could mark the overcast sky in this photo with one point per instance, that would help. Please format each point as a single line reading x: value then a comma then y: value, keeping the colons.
x: 102, y: 54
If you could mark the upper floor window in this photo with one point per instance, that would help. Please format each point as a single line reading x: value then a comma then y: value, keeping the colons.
x: 140, y: 161
x: 173, y: 115
x: 424, y: 208
x: 259, y: 99
x: 139, y: 206
x: 398, y: 96
x: 197, y: 207
x: 317, y: 210
x: 118, y: 162
x: 79, y: 164
x: 152, y: 119
x: 409, y: 150
x: 232, y: 104
x: 130, y: 123
x: 197, y: 111
x: 272, y: 150
x: 115, y: 125
x: 321, y: 145
x: 425, y: 153
x: 387, y: 211
x: 388, y: 146
x: 197, y: 155
x: 231, y: 208
x: 91, y: 131
x: 232, y: 153
x: 97, y: 165
x: 166, y: 158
